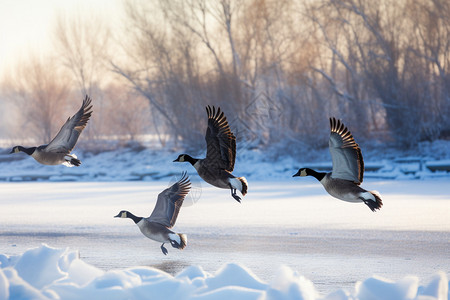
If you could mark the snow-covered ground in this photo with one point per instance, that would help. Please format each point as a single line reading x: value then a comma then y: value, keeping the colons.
x: 287, y: 240
x: 129, y: 164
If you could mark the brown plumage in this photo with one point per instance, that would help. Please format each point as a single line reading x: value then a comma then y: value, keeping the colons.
x: 217, y: 167
x: 348, y: 169
x: 342, y: 140
x: 58, y: 150
x: 220, y: 141
x: 157, y: 225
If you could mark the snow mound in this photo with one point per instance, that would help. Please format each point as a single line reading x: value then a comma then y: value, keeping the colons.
x: 49, y: 273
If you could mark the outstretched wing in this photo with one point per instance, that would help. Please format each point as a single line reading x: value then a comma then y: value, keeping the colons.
x: 68, y: 135
x: 169, y: 202
x: 347, y: 158
x: 220, y: 141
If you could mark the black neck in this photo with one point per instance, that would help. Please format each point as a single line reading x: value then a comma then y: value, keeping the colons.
x: 190, y: 159
x: 28, y: 151
x: 318, y: 175
x: 133, y: 217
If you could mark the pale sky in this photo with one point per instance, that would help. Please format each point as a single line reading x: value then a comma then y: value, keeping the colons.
x: 26, y: 25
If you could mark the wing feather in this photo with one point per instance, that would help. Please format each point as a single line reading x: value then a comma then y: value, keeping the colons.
x: 170, y: 201
x: 69, y: 133
x: 347, y: 158
x: 220, y: 141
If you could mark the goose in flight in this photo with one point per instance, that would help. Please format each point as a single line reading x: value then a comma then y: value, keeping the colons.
x: 348, y: 169
x: 164, y: 215
x: 218, y: 164
x: 58, y: 150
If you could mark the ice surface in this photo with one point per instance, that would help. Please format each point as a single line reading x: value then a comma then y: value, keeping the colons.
x: 286, y: 240
x: 230, y: 282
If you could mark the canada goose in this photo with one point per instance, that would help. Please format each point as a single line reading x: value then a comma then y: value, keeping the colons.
x: 348, y: 169
x: 157, y: 226
x: 58, y: 150
x: 218, y: 164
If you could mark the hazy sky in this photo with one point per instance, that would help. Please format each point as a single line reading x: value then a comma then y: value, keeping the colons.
x: 26, y: 25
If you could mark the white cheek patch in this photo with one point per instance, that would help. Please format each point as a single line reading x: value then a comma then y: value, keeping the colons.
x: 124, y: 215
x: 303, y: 173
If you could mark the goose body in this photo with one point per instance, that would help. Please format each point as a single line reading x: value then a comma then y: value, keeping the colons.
x: 217, y: 167
x: 58, y: 150
x: 157, y: 226
x: 343, y: 182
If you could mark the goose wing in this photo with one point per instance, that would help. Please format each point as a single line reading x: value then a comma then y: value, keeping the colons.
x: 68, y: 135
x: 347, y: 158
x: 220, y: 141
x: 169, y: 202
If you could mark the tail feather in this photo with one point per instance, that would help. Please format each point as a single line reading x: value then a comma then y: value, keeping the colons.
x: 76, y: 162
x: 374, y: 205
x: 71, y: 160
x: 244, y: 185
x: 178, y: 240
x: 183, y: 239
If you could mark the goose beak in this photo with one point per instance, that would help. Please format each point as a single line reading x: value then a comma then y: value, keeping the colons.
x: 118, y: 216
x: 296, y: 174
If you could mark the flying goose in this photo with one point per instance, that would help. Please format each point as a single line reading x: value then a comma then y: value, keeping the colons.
x: 348, y: 169
x: 157, y: 226
x: 218, y: 164
x: 58, y: 150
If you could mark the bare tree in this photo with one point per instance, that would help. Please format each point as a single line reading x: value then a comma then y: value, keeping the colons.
x: 127, y: 114
x: 82, y: 43
x: 282, y: 67
x: 39, y: 90
x: 429, y: 51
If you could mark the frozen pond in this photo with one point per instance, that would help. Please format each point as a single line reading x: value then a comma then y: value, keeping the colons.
x: 294, y: 223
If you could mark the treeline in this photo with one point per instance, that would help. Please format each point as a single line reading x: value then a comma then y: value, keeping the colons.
x: 278, y: 68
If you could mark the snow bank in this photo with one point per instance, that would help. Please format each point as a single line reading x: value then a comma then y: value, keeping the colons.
x: 49, y: 273
x: 127, y: 164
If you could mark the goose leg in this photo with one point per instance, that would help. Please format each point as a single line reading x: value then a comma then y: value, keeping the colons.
x: 235, y: 196
x: 163, y: 249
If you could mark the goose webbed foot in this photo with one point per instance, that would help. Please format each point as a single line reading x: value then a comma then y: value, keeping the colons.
x: 234, y: 195
x: 163, y: 249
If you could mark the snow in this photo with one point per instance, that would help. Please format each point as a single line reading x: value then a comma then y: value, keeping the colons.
x: 50, y: 273
x: 288, y: 239
x: 150, y: 165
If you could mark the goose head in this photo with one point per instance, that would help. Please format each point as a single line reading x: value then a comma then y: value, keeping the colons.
x: 123, y: 214
x: 303, y: 172
x: 15, y: 150
x: 181, y: 158
x: 18, y: 149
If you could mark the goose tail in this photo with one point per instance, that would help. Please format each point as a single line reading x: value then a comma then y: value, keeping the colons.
x: 76, y: 162
x: 71, y: 160
x: 178, y: 240
x: 183, y: 239
x: 244, y: 185
x: 374, y: 205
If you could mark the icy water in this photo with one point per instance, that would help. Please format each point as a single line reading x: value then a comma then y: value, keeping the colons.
x: 330, y: 242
